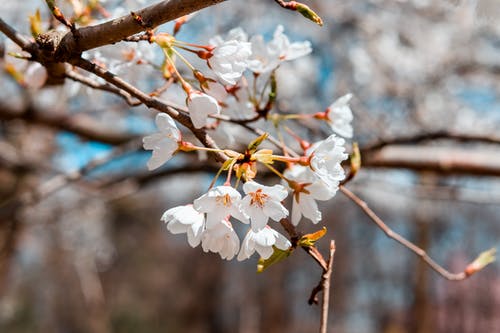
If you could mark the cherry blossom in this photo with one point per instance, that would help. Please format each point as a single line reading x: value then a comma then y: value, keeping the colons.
x: 201, y: 105
x: 339, y: 116
x: 309, y: 189
x: 165, y: 143
x: 280, y: 44
x: 267, y: 57
x: 262, y: 241
x: 326, y: 156
x: 219, y: 203
x: 229, y: 59
x: 263, y: 202
x: 222, y: 239
x: 185, y: 219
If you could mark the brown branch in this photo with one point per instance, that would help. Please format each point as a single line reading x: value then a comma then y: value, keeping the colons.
x: 101, y: 86
x: 80, y: 124
x: 17, y: 38
x: 400, y: 239
x: 326, y: 279
x: 151, y: 102
x: 445, y: 160
x: 113, y: 31
x: 423, y: 137
x: 60, y: 181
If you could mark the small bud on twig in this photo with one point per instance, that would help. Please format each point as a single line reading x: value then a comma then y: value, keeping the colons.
x: 483, y: 260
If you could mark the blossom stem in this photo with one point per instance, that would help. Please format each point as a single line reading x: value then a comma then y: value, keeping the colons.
x: 263, y: 89
x: 297, y: 116
x: 184, y: 60
x: 178, y: 43
x: 171, y: 61
x: 217, y: 175
x: 282, y: 141
x: 212, y: 150
x: 279, y: 174
x: 286, y: 159
x: 229, y: 173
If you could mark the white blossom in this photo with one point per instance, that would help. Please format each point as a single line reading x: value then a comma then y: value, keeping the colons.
x: 339, y: 116
x: 304, y: 202
x: 263, y: 202
x: 164, y: 143
x: 221, y: 239
x: 201, y: 105
x: 262, y: 59
x: 280, y: 44
x: 326, y: 156
x: 230, y: 57
x: 262, y: 241
x: 267, y: 57
x: 219, y: 203
x: 185, y: 219
x: 217, y: 91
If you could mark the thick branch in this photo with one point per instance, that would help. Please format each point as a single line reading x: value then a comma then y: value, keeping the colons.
x: 446, y: 160
x: 430, y: 136
x: 113, y: 31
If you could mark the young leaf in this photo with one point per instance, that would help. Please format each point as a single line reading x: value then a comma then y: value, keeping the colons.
x: 310, y: 239
x: 483, y: 260
x: 277, y: 256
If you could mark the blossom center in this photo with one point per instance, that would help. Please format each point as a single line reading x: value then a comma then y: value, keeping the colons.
x: 258, y: 198
x: 225, y: 200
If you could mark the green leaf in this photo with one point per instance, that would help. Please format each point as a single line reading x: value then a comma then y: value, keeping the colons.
x: 277, y: 256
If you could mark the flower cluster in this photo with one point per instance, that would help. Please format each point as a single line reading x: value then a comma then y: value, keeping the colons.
x: 224, y: 86
x: 215, y: 219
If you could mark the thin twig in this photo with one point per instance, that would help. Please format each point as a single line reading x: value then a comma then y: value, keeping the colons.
x: 102, y: 86
x: 17, y: 38
x: 153, y: 102
x: 81, y: 125
x: 60, y: 181
x: 400, y: 239
x: 326, y: 278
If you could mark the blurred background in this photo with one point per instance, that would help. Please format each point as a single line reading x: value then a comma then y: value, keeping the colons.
x: 91, y: 255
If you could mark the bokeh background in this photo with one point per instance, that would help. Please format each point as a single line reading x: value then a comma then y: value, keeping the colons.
x: 94, y: 257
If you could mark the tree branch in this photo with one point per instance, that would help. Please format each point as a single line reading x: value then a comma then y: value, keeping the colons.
x: 422, y: 137
x: 151, y: 102
x: 400, y: 239
x: 80, y: 124
x: 445, y: 160
x: 17, y: 38
x: 326, y: 279
x: 101, y: 86
x: 113, y: 31
x: 60, y: 181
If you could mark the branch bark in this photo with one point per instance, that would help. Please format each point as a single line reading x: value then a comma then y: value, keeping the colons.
x: 445, y: 160
x: 113, y: 31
